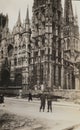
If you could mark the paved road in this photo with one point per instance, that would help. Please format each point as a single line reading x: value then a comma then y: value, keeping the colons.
x: 64, y: 115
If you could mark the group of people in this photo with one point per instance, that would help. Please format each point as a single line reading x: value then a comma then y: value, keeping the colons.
x: 43, y: 99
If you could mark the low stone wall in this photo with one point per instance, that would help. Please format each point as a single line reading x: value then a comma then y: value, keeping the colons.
x: 68, y: 94
x: 10, y: 92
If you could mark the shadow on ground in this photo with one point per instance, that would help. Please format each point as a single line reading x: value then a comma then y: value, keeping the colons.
x: 13, y: 122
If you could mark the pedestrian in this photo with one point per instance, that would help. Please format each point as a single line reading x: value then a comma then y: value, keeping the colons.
x: 49, y: 102
x: 43, y: 101
x: 29, y: 96
x: 1, y: 98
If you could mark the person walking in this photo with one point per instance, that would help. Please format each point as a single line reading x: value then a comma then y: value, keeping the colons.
x: 29, y: 96
x: 49, y: 102
x: 43, y: 101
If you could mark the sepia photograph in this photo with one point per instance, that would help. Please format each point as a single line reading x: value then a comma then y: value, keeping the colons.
x: 39, y: 64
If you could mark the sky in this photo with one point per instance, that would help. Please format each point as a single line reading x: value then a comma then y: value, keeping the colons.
x: 12, y: 7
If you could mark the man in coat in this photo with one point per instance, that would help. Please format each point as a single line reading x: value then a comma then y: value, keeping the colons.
x: 29, y: 96
x: 43, y: 101
x: 49, y: 102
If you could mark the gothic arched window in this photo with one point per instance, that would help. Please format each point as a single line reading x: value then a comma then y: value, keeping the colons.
x: 24, y: 46
x: 19, y: 47
x: 15, y: 48
x: 15, y: 61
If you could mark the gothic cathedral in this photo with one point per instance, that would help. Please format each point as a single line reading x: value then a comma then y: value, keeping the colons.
x: 44, y: 53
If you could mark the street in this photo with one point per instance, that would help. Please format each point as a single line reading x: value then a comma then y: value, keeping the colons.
x: 64, y: 114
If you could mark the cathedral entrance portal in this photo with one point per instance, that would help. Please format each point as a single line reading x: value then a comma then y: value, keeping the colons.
x: 5, y: 73
x: 5, y: 77
x: 18, y: 79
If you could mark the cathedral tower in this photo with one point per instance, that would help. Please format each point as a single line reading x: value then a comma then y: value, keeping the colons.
x: 22, y: 34
x: 71, y: 44
x: 45, y: 64
x: 4, y: 66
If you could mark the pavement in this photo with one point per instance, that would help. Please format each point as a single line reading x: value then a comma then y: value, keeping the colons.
x: 58, y: 103
x: 65, y: 115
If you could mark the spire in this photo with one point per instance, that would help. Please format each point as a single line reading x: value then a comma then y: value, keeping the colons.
x: 27, y: 21
x: 27, y: 16
x: 18, y: 27
x: 76, y: 26
x: 19, y: 19
x: 68, y: 12
x: 76, y: 17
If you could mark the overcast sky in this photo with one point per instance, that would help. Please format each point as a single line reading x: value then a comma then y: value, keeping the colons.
x: 12, y: 7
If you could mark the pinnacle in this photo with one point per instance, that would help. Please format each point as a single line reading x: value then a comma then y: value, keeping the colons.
x: 27, y: 16
x: 19, y: 19
x: 68, y: 11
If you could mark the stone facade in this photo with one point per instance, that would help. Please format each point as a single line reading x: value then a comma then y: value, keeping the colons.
x: 45, y: 54
x: 71, y: 48
x: 14, y: 53
x: 46, y: 59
